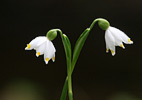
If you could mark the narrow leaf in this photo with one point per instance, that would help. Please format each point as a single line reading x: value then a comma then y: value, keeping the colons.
x: 78, y: 46
x: 67, y: 46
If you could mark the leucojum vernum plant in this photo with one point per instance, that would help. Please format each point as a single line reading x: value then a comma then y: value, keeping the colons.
x: 44, y: 46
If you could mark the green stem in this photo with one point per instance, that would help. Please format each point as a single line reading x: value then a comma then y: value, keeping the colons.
x: 67, y: 48
x: 69, y: 83
x: 64, y: 91
x: 93, y: 23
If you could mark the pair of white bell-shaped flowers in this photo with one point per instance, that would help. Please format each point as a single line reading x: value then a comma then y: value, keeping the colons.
x: 113, y: 37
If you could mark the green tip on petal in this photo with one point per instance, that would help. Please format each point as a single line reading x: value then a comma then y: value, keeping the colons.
x: 51, y: 34
x: 103, y: 23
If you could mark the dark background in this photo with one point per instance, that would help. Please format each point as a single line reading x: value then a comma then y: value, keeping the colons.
x: 97, y: 76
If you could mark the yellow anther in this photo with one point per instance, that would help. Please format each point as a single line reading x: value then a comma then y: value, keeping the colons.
x: 28, y: 46
x: 129, y: 40
x: 107, y: 50
x: 38, y: 53
x: 121, y: 45
x: 47, y: 59
x: 112, y: 51
x: 53, y: 58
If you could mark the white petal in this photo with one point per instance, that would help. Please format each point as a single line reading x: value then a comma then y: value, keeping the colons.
x: 36, y: 42
x: 117, y: 37
x: 121, y: 34
x: 49, y: 51
x: 110, y: 41
x: 40, y: 49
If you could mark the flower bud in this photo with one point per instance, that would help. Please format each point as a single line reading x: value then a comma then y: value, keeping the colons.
x: 51, y: 34
x: 103, y: 23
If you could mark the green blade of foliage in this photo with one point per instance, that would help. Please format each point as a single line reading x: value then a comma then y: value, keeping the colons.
x: 78, y: 46
x: 64, y: 90
x: 67, y: 47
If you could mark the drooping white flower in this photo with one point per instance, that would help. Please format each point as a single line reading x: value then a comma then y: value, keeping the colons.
x: 43, y: 46
x: 115, y: 37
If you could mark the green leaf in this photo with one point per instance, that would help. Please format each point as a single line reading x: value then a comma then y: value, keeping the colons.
x: 78, y: 46
x: 67, y: 46
x: 64, y: 91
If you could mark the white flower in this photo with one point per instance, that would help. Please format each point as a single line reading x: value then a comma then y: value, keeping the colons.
x: 115, y: 37
x: 42, y: 45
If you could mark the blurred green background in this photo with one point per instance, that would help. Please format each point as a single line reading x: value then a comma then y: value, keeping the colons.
x: 97, y: 76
